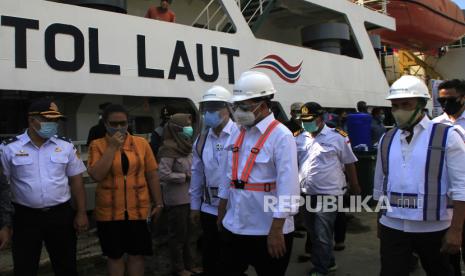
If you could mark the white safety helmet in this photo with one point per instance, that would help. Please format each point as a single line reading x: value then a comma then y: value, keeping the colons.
x: 252, y: 84
x: 408, y: 87
x: 216, y: 94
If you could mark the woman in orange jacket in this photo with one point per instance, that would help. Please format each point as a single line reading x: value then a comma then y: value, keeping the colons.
x: 126, y: 171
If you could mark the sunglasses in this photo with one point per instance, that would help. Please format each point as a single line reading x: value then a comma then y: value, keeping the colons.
x: 118, y: 123
x: 443, y: 100
x: 211, y: 106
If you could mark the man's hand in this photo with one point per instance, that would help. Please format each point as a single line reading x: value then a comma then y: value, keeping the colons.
x: 452, y: 241
x: 156, y: 213
x: 276, y: 244
x: 195, y: 217
x: 81, y: 223
x: 5, y: 236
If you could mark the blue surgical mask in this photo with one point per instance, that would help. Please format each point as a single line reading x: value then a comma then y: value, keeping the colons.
x: 112, y: 130
x: 188, y: 131
x: 310, y: 126
x: 47, y: 129
x: 212, y: 119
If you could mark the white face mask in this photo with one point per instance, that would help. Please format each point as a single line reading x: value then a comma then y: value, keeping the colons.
x: 245, y: 118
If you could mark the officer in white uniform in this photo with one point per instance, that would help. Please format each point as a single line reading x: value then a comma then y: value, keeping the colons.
x: 44, y: 171
x: 452, y: 99
x: 327, y: 154
x: 419, y: 171
x: 209, y: 169
x: 262, y: 167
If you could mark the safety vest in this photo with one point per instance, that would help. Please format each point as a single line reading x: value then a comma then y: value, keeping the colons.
x: 243, y: 183
x: 208, y: 192
x: 427, y: 200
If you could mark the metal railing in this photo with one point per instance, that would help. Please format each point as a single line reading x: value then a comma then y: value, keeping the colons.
x: 458, y: 44
x: 210, y: 13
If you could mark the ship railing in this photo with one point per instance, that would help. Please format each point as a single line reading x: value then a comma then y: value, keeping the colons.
x: 458, y: 44
x: 210, y: 13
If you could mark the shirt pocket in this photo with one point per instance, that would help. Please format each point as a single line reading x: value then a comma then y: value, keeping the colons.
x: 23, y: 166
x: 58, y: 165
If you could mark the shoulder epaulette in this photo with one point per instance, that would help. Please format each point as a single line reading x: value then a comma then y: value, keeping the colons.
x: 10, y: 140
x: 298, y: 132
x: 64, y: 139
x: 341, y: 132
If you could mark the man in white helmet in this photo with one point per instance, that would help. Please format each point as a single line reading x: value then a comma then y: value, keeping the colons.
x: 208, y: 170
x: 262, y: 167
x: 419, y: 171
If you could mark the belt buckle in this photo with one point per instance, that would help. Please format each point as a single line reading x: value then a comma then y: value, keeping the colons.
x: 267, y: 187
x: 238, y: 184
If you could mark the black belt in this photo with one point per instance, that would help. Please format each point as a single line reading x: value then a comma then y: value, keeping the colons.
x: 42, y: 210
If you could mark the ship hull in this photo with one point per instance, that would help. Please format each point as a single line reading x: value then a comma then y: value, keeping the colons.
x: 423, y: 24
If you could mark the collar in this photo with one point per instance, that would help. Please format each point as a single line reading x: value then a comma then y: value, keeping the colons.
x: 226, y: 129
x: 265, y: 122
x: 423, y: 124
x: 24, y: 138
x: 128, y: 142
x: 445, y: 118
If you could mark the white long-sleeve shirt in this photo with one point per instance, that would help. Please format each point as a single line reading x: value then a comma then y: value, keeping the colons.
x: 211, y: 168
x: 276, y: 162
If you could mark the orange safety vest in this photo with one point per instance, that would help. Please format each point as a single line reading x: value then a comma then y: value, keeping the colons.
x: 243, y: 182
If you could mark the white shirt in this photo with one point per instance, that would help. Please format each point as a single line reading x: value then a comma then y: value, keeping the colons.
x: 215, y: 157
x: 276, y: 162
x: 454, y: 159
x: 459, y: 123
x: 39, y: 176
x: 323, y: 158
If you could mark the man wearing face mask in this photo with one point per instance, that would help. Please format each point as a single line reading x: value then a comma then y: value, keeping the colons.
x: 377, y: 125
x: 326, y: 154
x: 419, y: 172
x: 262, y: 163
x: 208, y: 169
x: 294, y: 124
x: 452, y: 98
x: 45, y: 172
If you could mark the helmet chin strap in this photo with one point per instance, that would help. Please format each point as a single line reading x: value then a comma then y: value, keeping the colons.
x: 413, y: 118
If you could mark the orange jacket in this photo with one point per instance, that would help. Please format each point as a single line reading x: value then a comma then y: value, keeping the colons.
x: 115, y: 194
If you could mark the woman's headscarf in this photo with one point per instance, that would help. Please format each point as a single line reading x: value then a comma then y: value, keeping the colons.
x: 174, y: 143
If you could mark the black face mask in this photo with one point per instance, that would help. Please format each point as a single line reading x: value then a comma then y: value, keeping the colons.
x: 451, y: 105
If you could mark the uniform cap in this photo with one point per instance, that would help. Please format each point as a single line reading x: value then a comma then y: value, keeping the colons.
x: 296, y: 106
x: 311, y: 110
x: 45, y: 108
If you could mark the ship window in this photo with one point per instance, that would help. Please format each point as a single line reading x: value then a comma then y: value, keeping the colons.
x: 301, y: 23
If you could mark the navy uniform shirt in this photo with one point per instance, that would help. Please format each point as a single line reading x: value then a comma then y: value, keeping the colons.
x: 39, y: 176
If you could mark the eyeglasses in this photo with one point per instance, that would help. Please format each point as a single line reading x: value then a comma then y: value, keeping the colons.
x: 246, y: 107
x: 116, y: 123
